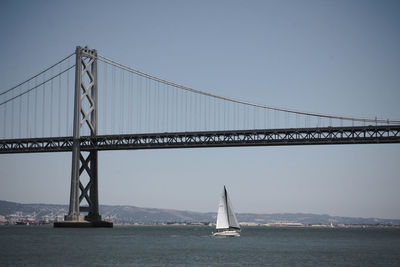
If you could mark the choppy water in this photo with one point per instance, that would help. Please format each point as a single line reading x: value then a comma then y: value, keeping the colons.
x: 193, y: 246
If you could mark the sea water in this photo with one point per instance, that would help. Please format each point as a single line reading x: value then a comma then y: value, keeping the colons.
x: 194, y: 246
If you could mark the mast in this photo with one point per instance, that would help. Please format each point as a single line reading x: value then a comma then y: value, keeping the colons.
x: 227, y: 207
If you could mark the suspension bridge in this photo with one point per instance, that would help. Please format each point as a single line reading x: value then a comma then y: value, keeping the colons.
x: 87, y: 103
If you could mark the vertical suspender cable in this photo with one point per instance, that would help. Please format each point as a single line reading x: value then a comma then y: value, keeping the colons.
x: 200, y: 113
x: 137, y: 103
x: 119, y: 103
x: 225, y: 119
x: 187, y: 97
x: 235, y: 116
x: 149, y: 105
x: 172, y: 110
x: 232, y: 116
x: 219, y: 116
x: 67, y: 104
x: 146, y: 107
x: 225, y: 116
x: 59, y: 102
x: 27, y: 111
x: 244, y: 116
x: 44, y: 103
x: 286, y: 120
x: 112, y: 92
x: 246, y: 113
x: 144, y: 94
x: 215, y: 114
x: 167, y: 109
x: 176, y: 108
x: 226, y: 104
x: 278, y: 119
x: 12, y: 116
x: 229, y: 115
x: 194, y: 112
x: 140, y: 103
x: 158, y: 106
x: 162, y: 107
x: 130, y: 104
x: 4, y: 122
x: 170, y: 116
x: 51, y: 104
x: 189, y: 109
x: 209, y: 113
x: 181, y: 121
x: 151, y: 98
x: 122, y: 86
x: 105, y: 86
x: 196, y: 126
x: 113, y: 96
x: 205, y: 113
x: 20, y: 115
x: 233, y: 125
x: 191, y: 112
x: 254, y: 117
x: 35, y: 110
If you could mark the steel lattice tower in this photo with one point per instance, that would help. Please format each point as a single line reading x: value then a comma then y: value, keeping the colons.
x: 84, y: 164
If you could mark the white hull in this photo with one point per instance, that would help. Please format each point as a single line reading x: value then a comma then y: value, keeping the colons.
x: 226, y: 234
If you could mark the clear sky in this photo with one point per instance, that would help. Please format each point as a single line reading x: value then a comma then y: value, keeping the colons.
x: 331, y: 57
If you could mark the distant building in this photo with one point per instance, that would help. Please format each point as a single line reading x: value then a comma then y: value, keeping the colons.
x: 46, y: 219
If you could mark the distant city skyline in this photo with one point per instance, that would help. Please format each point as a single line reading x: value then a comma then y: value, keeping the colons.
x: 330, y: 57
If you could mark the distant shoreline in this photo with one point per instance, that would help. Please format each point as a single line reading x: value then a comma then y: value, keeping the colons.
x: 367, y: 226
x: 12, y: 213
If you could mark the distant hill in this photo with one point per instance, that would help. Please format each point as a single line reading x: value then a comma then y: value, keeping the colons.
x: 132, y: 214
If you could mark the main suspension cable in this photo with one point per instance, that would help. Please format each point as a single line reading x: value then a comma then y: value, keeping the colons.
x: 154, y: 78
x: 40, y: 73
x: 36, y: 86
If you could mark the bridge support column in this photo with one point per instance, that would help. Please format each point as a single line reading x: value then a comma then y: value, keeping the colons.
x: 84, y: 182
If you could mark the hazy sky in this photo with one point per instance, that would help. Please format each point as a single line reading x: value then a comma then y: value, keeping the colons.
x: 332, y: 57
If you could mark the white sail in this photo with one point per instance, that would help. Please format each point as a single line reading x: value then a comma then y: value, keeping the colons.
x: 233, y: 222
x: 222, y: 217
x: 226, y: 217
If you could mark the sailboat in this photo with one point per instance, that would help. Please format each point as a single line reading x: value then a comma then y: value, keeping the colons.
x: 227, y: 224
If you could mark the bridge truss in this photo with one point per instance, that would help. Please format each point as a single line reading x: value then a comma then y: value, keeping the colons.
x: 268, y: 137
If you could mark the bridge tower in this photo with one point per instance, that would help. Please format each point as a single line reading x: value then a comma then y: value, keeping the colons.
x: 84, y: 182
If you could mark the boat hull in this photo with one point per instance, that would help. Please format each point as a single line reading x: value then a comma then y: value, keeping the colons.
x: 226, y: 234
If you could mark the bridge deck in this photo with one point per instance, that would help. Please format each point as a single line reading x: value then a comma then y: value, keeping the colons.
x: 262, y: 137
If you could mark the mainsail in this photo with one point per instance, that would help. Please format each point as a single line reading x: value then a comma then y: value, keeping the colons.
x: 226, y: 217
